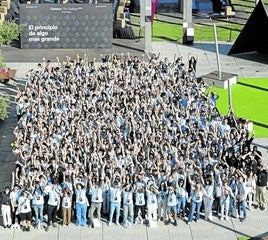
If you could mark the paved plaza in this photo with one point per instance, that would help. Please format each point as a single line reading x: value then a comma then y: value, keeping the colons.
x: 245, y: 66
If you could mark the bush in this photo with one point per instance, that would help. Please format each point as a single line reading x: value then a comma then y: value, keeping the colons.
x: 9, y: 31
x: 4, y: 103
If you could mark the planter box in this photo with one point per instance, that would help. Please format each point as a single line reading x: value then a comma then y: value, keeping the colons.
x: 10, y: 74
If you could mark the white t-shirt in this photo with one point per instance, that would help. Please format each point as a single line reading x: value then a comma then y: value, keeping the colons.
x: 25, y: 204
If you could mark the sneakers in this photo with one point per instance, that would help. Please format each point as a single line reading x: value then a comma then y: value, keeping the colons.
x: 39, y: 226
x: 109, y: 224
x: 54, y: 224
x: 167, y: 222
x: 27, y: 229
x: 175, y: 223
x: 117, y: 223
x: 243, y: 220
x: 189, y: 223
x: 47, y: 228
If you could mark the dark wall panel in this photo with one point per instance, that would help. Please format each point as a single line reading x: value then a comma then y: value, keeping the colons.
x: 66, y: 26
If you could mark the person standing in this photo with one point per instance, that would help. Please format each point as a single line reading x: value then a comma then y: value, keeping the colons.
x: 233, y: 185
x: 208, y: 200
x: 162, y: 201
x: 192, y: 62
x: 38, y: 204
x: 66, y: 206
x: 241, y: 198
x: 196, y: 201
x: 81, y: 203
x: 261, y: 185
x: 226, y: 194
x: 14, y: 196
x: 181, y: 198
x: 128, y: 208
x: 95, y: 188
x: 171, y: 205
x: 6, y: 207
x: 250, y: 184
x: 115, y: 202
x: 53, y: 204
x: 106, y: 195
x: 151, y: 194
x: 139, y: 203
x: 24, y: 207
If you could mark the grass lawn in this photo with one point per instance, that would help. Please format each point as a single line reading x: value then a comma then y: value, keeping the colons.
x: 174, y: 32
x: 248, y: 102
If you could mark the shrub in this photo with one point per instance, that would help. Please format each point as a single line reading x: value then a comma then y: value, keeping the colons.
x: 9, y: 31
x: 4, y: 103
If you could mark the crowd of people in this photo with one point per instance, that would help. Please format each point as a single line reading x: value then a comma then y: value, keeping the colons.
x: 129, y: 140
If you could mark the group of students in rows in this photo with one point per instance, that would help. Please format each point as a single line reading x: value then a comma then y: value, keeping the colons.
x: 146, y: 198
x: 144, y: 137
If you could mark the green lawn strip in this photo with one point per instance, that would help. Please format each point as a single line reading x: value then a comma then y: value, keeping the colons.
x: 248, y: 103
x: 174, y: 32
x: 259, y: 82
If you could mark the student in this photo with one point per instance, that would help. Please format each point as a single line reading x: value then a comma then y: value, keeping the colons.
x: 261, y: 183
x: 115, y: 202
x: 81, y: 203
x: 171, y: 205
x: 53, y: 204
x: 208, y: 201
x: 139, y: 203
x: 226, y: 194
x: 66, y: 206
x: 182, y: 196
x: 128, y: 207
x: 162, y: 201
x: 24, y: 207
x: 14, y: 196
x: 6, y: 207
x: 241, y: 199
x: 196, y: 201
x: 151, y: 200
x: 38, y: 203
x: 95, y: 188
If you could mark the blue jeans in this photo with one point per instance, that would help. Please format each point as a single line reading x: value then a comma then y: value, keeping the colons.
x: 195, y: 206
x: 181, y: 206
x: 241, y: 205
x: 38, y: 211
x: 232, y: 208
x: 128, y: 212
x: 81, y: 214
x: 114, y: 206
x: 105, y: 203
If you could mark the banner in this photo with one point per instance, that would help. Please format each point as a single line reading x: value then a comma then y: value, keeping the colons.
x: 153, y: 9
x: 66, y: 26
